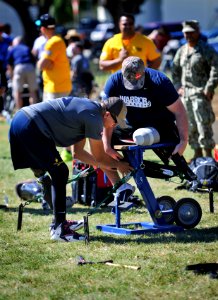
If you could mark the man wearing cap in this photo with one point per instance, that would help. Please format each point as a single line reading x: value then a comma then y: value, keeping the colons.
x: 128, y: 43
x: 195, y: 76
x: 53, y: 62
x: 71, y: 37
x: 35, y: 132
x: 151, y: 101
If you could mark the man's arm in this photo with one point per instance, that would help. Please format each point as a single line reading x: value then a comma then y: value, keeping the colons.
x: 45, y: 64
x: 178, y: 109
x: 106, y: 138
x: 99, y: 157
x: 107, y: 65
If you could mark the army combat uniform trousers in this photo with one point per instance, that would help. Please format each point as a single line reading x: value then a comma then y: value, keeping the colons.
x: 200, y: 117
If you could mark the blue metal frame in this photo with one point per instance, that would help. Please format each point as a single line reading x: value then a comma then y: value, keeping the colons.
x: 135, y: 156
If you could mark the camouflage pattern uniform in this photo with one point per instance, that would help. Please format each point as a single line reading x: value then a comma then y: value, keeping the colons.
x: 197, y: 72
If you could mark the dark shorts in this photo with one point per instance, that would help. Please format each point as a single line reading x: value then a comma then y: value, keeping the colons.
x: 29, y: 147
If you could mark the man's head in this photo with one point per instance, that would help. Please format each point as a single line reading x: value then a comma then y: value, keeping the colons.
x: 127, y: 25
x: 72, y: 36
x: 133, y: 71
x: 46, y: 21
x: 190, y: 26
x: 77, y: 48
x: 191, y: 31
x: 117, y: 109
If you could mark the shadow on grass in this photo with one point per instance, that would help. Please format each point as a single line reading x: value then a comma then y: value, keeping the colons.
x: 202, y: 235
x: 70, y: 211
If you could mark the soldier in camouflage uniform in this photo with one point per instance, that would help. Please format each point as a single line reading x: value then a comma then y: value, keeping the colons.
x: 195, y: 76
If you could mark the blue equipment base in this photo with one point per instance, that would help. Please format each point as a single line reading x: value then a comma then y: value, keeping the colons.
x: 138, y: 228
x: 135, y: 157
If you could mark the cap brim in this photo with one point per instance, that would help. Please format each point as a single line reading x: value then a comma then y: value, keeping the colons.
x: 50, y: 26
x: 188, y: 30
x: 122, y: 123
x: 137, y: 85
x: 121, y: 118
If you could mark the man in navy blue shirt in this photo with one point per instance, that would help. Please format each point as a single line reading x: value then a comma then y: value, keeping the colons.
x: 151, y: 101
x: 21, y: 66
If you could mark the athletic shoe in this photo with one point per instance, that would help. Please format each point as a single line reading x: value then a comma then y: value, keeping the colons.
x: 66, y: 155
x: 63, y: 233
x: 73, y: 225
x: 124, y: 192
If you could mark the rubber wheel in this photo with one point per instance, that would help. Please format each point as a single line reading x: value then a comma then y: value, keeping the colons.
x: 166, y: 203
x: 187, y: 213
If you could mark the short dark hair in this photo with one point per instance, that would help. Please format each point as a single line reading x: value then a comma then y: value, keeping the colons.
x: 128, y: 15
x: 80, y: 45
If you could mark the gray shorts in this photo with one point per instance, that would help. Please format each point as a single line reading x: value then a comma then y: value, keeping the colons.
x: 24, y: 74
x: 49, y: 96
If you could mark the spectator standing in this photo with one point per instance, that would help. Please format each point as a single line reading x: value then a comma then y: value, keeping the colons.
x: 21, y: 68
x: 160, y: 37
x: 71, y: 37
x: 5, y: 42
x: 128, y: 43
x: 54, y: 62
x: 82, y: 77
x: 37, y: 50
x: 38, y: 46
x: 195, y: 76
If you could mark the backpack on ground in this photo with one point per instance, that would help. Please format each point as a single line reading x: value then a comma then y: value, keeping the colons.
x: 92, y: 189
x: 206, y: 170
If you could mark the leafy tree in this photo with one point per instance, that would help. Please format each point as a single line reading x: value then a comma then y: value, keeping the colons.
x: 62, y: 11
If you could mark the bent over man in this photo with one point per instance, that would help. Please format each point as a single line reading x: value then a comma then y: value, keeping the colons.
x: 36, y: 131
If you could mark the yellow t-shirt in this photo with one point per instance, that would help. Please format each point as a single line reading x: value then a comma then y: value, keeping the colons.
x: 56, y: 80
x: 139, y: 45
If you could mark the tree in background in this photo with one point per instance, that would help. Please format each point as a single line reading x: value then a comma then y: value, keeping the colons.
x: 62, y: 11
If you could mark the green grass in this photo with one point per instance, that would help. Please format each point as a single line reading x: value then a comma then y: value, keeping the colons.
x: 34, y: 267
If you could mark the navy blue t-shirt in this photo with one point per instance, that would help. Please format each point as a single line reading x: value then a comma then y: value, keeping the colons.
x: 19, y: 54
x: 145, y: 107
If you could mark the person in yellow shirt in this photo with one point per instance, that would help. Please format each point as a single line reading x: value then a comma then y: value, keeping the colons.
x: 54, y: 63
x: 128, y: 43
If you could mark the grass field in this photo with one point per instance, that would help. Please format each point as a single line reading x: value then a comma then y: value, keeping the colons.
x: 34, y: 267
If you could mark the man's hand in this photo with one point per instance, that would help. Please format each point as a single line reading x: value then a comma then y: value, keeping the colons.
x: 45, y: 64
x: 180, y: 148
x: 209, y: 96
x: 181, y: 91
x: 123, y: 54
x: 114, y: 154
x: 124, y: 168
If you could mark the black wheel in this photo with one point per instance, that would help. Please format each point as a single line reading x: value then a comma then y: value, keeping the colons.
x: 166, y: 203
x: 187, y: 213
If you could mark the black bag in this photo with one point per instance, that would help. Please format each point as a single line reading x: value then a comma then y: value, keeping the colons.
x: 206, y: 170
x: 92, y: 189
